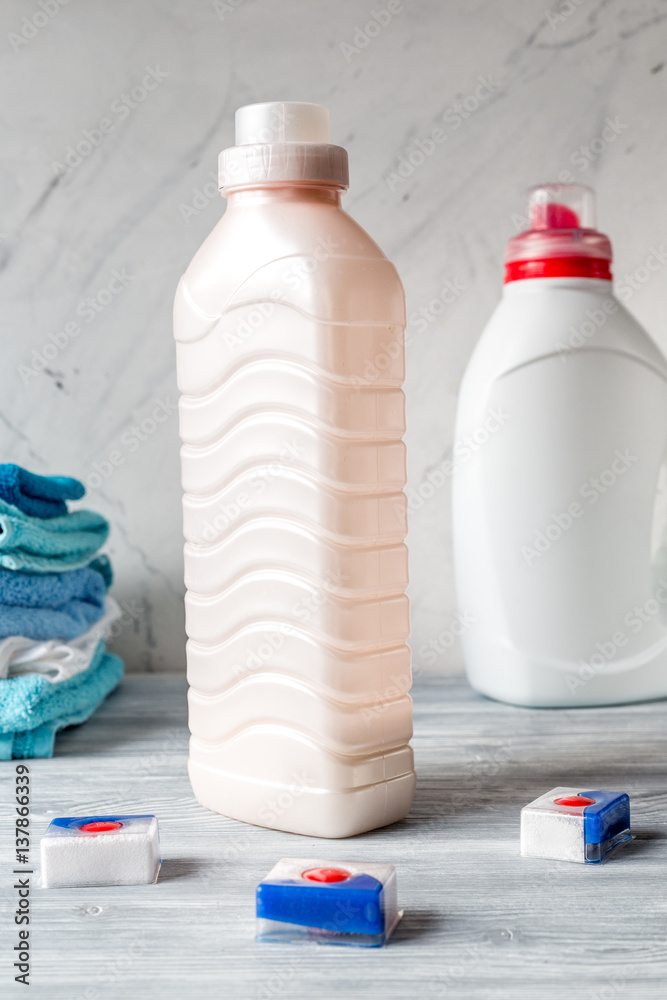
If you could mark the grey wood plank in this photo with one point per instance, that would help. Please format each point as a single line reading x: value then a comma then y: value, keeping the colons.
x: 479, y: 922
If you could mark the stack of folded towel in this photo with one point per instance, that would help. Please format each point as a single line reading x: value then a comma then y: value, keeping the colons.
x: 54, y: 612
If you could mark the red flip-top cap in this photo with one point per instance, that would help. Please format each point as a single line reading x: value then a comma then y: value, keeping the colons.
x: 561, y: 240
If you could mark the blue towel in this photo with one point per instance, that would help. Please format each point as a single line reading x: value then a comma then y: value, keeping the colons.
x: 33, y: 710
x: 102, y: 565
x: 45, y: 606
x: 38, y: 496
x: 35, y: 545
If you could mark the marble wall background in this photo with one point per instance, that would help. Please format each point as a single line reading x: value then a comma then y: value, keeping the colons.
x: 522, y: 92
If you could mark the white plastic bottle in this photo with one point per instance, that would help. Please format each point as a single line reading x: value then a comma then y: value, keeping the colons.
x: 289, y: 325
x: 559, y: 478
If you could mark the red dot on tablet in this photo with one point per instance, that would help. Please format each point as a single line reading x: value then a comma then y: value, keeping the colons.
x: 102, y: 826
x: 574, y: 800
x: 326, y: 874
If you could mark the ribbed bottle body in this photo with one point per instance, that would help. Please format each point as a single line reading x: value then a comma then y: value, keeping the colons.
x: 290, y: 364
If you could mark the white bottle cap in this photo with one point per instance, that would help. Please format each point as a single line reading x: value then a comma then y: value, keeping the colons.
x: 282, y: 121
x: 282, y: 142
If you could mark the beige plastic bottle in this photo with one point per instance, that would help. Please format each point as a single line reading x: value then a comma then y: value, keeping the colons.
x: 289, y: 327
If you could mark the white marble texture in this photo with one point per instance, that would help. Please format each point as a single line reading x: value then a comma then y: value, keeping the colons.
x: 553, y: 76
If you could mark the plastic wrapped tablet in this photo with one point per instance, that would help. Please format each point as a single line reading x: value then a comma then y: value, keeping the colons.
x: 330, y: 902
x: 100, y: 850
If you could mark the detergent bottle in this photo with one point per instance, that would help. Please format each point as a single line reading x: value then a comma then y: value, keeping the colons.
x: 559, y: 514
x: 289, y: 327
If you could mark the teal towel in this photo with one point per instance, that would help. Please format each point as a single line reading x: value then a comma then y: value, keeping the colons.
x: 38, y: 545
x: 39, y: 496
x: 33, y: 710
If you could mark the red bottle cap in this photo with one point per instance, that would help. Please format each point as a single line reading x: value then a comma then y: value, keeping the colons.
x: 561, y: 240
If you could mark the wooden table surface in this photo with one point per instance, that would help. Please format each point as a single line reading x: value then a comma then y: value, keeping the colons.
x: 479, y: 920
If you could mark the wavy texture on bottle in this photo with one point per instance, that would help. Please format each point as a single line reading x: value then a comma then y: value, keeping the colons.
x: 292, y: 417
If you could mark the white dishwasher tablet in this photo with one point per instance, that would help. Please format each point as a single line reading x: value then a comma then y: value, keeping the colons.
x: 568, y: 824
x: 100, y: 850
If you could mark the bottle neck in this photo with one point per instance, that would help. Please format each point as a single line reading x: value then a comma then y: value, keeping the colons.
x: 597, y: 268
x: 257, y: 194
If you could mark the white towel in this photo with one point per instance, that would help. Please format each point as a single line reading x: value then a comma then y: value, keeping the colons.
x: 56, y: 661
